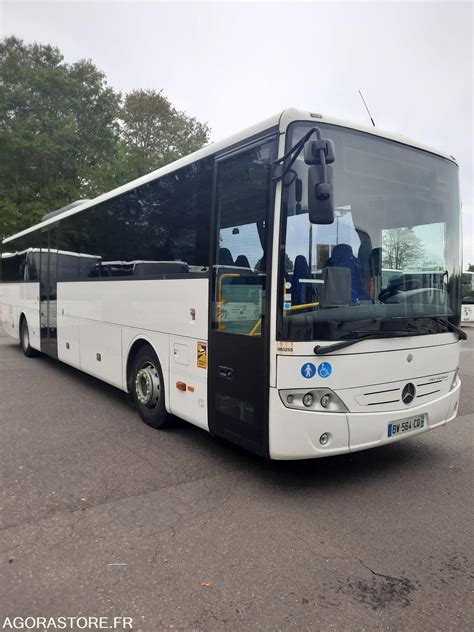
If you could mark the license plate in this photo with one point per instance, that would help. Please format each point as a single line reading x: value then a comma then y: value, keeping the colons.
x: 405, y: 425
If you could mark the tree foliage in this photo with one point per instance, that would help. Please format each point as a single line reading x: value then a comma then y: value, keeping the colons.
x: 155, y: 133
x: 66, y: 134
x: 57, y: 124
x: 401, y: 249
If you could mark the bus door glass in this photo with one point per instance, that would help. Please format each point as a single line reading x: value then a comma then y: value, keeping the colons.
x: 238, y: 362
x: 48, y: 292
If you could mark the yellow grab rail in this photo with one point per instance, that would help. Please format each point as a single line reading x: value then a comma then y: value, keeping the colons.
x: 302, y: 306
x: 253, y: 331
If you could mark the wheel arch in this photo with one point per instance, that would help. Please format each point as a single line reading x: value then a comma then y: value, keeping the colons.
x: 135, y: 346
x: 22, y: 319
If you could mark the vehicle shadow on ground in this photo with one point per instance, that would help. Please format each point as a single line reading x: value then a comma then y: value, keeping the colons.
x: 300, y: 474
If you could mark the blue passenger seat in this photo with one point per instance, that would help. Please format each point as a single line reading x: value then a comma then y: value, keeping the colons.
x: 300, y: 292
x: 343, y: 257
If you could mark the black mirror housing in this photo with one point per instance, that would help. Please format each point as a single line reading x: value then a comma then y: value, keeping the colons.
x: 320, y: 195
x: 312, y: 151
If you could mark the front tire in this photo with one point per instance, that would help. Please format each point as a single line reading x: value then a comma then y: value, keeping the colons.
x: 147, y: 388
x: 25, y: 340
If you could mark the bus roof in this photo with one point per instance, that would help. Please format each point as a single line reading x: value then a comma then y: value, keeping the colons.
x: 280, y: 120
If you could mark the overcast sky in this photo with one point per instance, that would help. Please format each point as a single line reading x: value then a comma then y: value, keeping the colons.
x: 233, y: 64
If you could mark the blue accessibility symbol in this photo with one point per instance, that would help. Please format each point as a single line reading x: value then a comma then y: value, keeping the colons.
x: 308, y: 370
x: 324, y: 369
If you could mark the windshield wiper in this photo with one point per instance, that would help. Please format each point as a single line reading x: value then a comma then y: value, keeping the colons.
x: 392, y: 333
x: 460, y: 332
x: 324, y: 349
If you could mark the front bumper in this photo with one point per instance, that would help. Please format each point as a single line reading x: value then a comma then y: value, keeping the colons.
x: 294, y: 434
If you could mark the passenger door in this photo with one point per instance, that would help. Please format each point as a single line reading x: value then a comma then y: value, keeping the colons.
x: 48, y: 292
x: 238, y: 378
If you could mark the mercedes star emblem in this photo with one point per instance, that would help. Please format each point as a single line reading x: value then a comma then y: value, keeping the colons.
x: 408, y: 393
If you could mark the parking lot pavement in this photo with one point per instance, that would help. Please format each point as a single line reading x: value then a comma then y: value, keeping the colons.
x: 103, y: 516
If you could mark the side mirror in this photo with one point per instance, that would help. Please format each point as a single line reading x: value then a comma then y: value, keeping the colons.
x: 319, y: 154
x: 313, y: 148
x: 320, y: 194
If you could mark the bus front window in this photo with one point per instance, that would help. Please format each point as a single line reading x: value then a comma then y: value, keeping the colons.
x: 391, y: 251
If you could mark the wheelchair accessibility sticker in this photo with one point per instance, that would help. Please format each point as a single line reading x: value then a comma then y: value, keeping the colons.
x: 308, y: 370
x: 324, y: 369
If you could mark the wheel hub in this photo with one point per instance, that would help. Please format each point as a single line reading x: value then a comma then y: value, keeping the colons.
x: 147, y: 386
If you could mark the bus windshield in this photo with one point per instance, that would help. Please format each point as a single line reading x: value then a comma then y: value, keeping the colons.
x: 392, y: 251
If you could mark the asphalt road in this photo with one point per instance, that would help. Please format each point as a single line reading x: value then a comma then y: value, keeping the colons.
x: 103, y: 516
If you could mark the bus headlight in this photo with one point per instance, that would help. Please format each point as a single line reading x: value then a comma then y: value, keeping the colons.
x: 325, y: 400
x: 317, y: 399
x: 307, y: 400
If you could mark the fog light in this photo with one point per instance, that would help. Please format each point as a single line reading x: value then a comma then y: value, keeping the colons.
x: 324, y: 438
x: 324, y: 401
x: 308, y: 400
x: 290, y: 399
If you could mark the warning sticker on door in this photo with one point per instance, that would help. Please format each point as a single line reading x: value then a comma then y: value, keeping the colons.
x: 202, y: 355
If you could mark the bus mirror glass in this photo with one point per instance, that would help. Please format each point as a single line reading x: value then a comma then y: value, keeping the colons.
x: 320, y: 195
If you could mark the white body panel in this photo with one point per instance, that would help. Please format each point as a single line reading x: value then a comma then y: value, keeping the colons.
x: 372, y: 362
x: 103, y: 319
x: 17, y: 299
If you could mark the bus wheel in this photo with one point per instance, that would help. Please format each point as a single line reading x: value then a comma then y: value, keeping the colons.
x: 147, y: 388
x: 25, y: 340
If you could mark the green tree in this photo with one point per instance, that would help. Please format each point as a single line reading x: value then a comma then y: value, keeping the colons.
x: 65, y: 134
x: 155, y: 133
x: 58, y: 127
x: 401, y: 249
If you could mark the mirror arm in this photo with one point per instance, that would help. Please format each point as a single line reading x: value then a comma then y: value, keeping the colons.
x: 322, y: 157
x: 279, y: 168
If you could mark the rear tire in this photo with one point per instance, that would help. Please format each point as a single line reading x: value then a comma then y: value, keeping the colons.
x: 25, y: 340
x: 147, y: 388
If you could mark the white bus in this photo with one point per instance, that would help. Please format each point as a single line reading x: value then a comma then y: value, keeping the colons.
x: 240, y: 288
x: 467, y: 315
